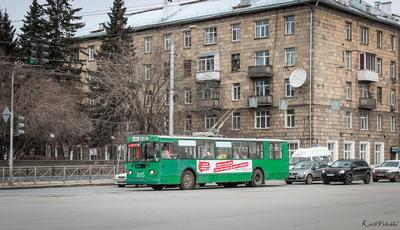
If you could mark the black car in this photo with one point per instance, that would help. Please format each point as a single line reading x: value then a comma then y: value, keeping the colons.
x: 347, y: 171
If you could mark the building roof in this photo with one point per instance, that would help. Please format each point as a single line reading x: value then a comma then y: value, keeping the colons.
x: 199, y: 10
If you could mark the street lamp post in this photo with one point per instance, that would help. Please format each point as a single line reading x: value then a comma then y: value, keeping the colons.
x: 11, y: 157
x: 52, y: 150
x: 171, y: 89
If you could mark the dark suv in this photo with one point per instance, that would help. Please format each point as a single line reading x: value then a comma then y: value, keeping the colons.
x: 347, y: 171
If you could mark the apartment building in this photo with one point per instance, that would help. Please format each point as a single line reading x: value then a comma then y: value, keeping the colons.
x: 235, y: 57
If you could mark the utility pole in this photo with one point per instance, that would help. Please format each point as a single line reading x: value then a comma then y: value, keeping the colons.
x: 11, y: 157
x: 171, y: 89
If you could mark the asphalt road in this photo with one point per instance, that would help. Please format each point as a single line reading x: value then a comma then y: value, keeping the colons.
x: 274, y: 206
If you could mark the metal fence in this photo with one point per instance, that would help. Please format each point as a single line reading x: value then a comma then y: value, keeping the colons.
x: 42, y: 175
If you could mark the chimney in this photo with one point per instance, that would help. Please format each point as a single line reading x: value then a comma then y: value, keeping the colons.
x: 386, y: 7
x: 102, y: 26
x: 243, y: 4
x: 170, y: 7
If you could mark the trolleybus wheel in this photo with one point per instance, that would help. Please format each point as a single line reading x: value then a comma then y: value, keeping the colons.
x: 187, y: 180
x: 257, y: 179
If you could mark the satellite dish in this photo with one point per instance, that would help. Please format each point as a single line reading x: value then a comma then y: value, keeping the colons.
x: 297, y: 78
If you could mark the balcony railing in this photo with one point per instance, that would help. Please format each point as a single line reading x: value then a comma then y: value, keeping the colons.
x: 260, y: 71
x: 367, y: 75
x: 367, y: 103
x: 209, y: 104
x: 260, y: 101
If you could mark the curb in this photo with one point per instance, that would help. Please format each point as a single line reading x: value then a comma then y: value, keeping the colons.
x: 53, y: 186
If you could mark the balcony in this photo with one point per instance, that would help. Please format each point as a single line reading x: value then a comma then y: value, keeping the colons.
x: 260, y: 101
x: 367, y: 103
x: 209, y: 104
x: 261, y: 71
x: 367, y: 75
x: 208, y: 76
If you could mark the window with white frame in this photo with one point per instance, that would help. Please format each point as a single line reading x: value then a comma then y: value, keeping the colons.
x: 188, y: 123
x: 210, y: 121
x: 235, y: 91
x: 348, y: 30
x: 235, y: 62
x: 379, y: 39
x: 262, y: 57
x: 364, y: 121
x: 289, y: 118
x: 379, y: 94
x: 262, y: 28
x: 236, y: 32
x: 364, y: 35
x: 367, y: 61
x: 378, y: 153
x: 333, y: 149
x: 364, y: 89
x: 91, y: 53
x: 363, y: 151
x: 379, y: 122
x: 167, y: 41
x: 147, y: 72
x: 210, y: 36
x: 92, y: 102
x: 289, y: 90
x: 393, y: 98
x: 349, y: 120
x: 348, y: 91
x: 289, y: 25
x: 393, y: 70
x: 262, y: 87
x: 187, y: 39
x: 236, y: 121
x: 379, y: 65
x: 206, y: 64
x: 148, y: 42
x: 393, y: 123
x: 188, y: 96
x: 347, y: 59
x: 292, y: 147
x: 290, y: 56
x: 393, y: 42
x: 148, y: 98
x: 262, y: 119
x: 348, y: 150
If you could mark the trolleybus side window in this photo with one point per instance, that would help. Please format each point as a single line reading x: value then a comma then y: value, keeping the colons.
x: 275, y: 150
x: 240, y: 150
x: 205, y: 149
x: 223, y: 150
x: 151, y: 151
x: 256, y: 150
x: 169, y: 151
x: 187, y: 149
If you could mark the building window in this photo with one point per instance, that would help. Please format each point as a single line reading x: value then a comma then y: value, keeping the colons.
x: 187, y: 68
x: 262, y: 119
x: 166, y: 124
x: 210, y: 36
x: 210, y: 121
x: 209, y: 93
x: 289, y: 25
x: 379, y: 65
x: 379, y: 157
x: 148, y: 98
x: 363, y: 151
x: 349, y: 120
x: 148, y: 44
x: 261, y: 88
x: 367, y: 61
x: 348, y: 91
x: 187, y: 39
x: 167, y: 41
x: 379, y: 94
x: 188, y: 124
x: 262, y: 58
x: 393, y: 42
x: 393, y: 124
x: 262, y: 28
x: 290, y: 56
x: 392, y: 99
x: 364, y: 121
x: 348, y: 30
x: 92, y: 102
x: 347, y: 59
x: 236, y: 121
x: 91, y: 53
x: 364, y: 91
x: 348, y: 150
x: 379, y: 39
x: 289, y: 90
x: 147, y: 72
x: 289, y: 118
x: 235, y: 62
x: 292, y: 146
x: 206, y: 64
x: 188, y: 96
x: 235, y: 91
x: 393, y: 70
x: 236, y: 32
x: 364, y: 35
x: 379, y: 122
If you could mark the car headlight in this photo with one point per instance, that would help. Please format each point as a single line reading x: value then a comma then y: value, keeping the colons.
x: 373, y: 170
x: 323, y: 171
x: 130, y: 172
x: 391, y: 171
x: 153, y: 172
x: 341, y: 171
x: 304, y: 173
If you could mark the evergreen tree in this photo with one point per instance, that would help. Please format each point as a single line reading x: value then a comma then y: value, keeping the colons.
x: 7, y: 31
x: 33, y: 30
x: 61, y: 28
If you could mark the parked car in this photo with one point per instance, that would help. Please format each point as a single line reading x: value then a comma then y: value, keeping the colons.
x: 310, y: 154
x: 120, y: 180
x: 347, y: 171
x: 306, y: 171
x: 387, y: 170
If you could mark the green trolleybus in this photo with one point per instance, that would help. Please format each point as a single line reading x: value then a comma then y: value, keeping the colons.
x: 187, y: 161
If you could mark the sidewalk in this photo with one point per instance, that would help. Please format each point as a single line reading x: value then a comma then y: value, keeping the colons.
x: 55, y: 184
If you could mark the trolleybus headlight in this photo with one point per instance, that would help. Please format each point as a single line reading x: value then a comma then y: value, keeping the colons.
x: 153, y: 172
x: 130, y: 172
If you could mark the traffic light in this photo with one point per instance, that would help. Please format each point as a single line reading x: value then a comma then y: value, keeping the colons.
x: 33, y: 54
x: 19, y: 127
x: 39, y: 54
x: 44, y: 54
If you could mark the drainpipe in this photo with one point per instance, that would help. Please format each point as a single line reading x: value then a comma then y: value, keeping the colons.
x: 311, y: 71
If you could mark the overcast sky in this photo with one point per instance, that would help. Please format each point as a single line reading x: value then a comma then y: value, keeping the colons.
x: 94, y: 10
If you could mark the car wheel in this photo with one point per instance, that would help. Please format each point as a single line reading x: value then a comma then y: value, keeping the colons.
x: 375, y: 180
x: 121, y: 185
x: 309, y: 179
x: 257, y: 179
x: 157, y: 187
x: 187, y: 180
x: 395, y: 178
x: 367, y: 178
x: 348, y: 179
x: 326, y: 182
x: 288, y: 182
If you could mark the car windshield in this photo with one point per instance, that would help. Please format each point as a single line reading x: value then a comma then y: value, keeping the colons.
x: 303, y: 165
x: 295, y: 160
x: 389, y: 164
x: 341, y: 164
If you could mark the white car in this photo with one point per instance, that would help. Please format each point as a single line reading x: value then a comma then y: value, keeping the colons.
x: 387, y: 170
x: 120, y: 179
